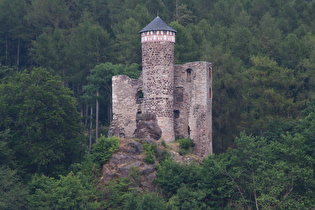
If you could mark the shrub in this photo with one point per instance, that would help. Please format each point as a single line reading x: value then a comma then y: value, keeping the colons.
x: 150, y: 151
x: 149, y: 158
x: 185, y: 146
x: 163, y: 143
x: 116, y: 192
x: 165, y: 156
x: 134, y: 176
x: 67, y: 192
x: 103, y: 149
x: 144, y: 201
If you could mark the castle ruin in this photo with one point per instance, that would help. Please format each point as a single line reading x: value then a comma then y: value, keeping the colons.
x: 180, y: 96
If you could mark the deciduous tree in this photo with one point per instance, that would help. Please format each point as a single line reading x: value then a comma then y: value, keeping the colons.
x: 40, y: 121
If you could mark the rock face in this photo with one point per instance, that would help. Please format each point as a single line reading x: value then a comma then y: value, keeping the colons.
x: 129, y: 156
x: 147, y: 127
x: 127, y: 162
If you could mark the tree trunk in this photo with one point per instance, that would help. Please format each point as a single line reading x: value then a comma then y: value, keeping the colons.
x: 18, y: 55
x: 176, y: 9
x: 97, y: 113
x: 86, y: 114
x: 255, y: 195
x: 91, y: 128
x: 6, y: 51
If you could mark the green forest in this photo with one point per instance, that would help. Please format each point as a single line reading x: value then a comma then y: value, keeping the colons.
x: 57, y: 58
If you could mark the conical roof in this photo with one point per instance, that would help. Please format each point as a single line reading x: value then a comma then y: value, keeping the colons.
x: 157, y: 25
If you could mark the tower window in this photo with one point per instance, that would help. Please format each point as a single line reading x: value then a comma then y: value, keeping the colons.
x: 210, y: 73
x: 154, y: 32
x: 176, y: 113
x: 188, y: 78
x: 139, y: 97
x: 179, y: 93
x: 210, y: 93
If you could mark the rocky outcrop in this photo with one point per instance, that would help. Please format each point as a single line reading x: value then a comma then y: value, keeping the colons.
x: 129, y: 156
x: 128, y: 159
x: 147, y: 127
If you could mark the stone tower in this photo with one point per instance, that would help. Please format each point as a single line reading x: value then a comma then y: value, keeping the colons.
x: 158, y: 40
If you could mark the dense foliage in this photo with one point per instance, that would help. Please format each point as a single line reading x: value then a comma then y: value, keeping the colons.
x: 39, y: 123
x: 103, y: 149
x: 274, y: 173
x: 150, y: 152
x: 185, y: 146
x: 57, y: 58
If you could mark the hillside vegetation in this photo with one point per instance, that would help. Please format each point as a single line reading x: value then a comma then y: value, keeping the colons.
x: 57, y: 58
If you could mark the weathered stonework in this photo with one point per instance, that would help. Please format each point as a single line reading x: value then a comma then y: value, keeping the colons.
x: 193, y: 104
x: 179, y: 96
x: 125, y: 107
x: 158, y: 83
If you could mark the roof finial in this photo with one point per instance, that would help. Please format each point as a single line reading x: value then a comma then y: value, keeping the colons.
x: 157, y: 13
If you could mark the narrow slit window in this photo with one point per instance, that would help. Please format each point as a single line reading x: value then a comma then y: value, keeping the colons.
x: 139, y: 97
x: 210, y: 93
x: 188, y: 72
x: 179, y: 94
x: 210, y: 73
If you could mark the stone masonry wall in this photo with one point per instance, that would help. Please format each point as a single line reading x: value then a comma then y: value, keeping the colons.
x: 125, y: 105
x: 193, y: 104
x: 158, y: 83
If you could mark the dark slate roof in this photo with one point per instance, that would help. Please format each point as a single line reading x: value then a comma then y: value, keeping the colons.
x: 157, y: 25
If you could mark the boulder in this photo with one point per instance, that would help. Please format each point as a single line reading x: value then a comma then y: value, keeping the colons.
x: 147, y: 127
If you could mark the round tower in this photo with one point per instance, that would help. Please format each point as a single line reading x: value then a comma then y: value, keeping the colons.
x: 158, y: 40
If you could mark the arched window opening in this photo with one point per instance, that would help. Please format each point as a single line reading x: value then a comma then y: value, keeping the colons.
x: 188, y: 72
x: 210, y: 73
x: 139, y: 97
x: 188, y: 132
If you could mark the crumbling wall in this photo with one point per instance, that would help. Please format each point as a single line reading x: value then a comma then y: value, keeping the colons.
x: 125, y: 105
x: 193, y: 104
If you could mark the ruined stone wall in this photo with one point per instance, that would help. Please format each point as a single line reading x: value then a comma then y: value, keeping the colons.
x: 193, y: 104
x: 125, y: 105
x: 158, y: 83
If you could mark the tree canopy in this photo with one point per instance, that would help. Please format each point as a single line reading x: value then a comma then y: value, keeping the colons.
x: 39, y: 122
